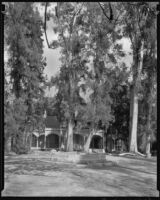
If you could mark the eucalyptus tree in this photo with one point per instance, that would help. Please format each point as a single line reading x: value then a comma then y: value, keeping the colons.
x: 136, y: 23
x: 149, y: 87
x: 71, y: 40
x: 150, y: 66
x: 103, y: 51
x: 23, y: 27
x: 137, y: 20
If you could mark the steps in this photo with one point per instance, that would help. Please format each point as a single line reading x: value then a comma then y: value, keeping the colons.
x: 93, y: 158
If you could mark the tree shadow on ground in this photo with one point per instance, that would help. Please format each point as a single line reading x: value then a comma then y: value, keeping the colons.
x: 118, y: 179
x: 119, y: 168
x: 34, y: 167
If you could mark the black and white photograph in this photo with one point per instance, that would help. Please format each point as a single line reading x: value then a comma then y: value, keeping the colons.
x: 80, y: 99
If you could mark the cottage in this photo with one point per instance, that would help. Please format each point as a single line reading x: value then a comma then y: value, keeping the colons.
x: 54, y: 137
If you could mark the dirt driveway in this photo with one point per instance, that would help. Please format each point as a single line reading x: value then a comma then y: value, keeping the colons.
x: 33, y: 177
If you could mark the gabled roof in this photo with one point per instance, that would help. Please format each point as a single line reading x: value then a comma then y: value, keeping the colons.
x: 52, y: 122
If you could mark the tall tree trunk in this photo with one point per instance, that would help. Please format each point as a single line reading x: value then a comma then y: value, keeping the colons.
x: 148, y: 142
x: 70, y: 136
x: 88, y: 142
x: 138, y: 63
x: 151, y: 75
x: 134, y: 120
x: 148, y: 148
x: 131, y: 112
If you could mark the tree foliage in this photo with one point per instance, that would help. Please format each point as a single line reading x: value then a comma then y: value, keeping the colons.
x: 26, y: 64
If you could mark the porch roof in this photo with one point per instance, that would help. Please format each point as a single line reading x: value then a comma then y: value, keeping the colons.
x: 52, y: 122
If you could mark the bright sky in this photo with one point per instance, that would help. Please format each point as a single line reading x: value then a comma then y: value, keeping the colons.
x: 52, y: 56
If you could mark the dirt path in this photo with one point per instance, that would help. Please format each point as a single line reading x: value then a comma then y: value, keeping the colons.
x: 31, y: 177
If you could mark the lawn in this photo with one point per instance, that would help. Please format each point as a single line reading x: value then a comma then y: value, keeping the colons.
x: 28, y: 176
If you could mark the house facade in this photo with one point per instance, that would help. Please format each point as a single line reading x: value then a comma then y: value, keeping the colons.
x: 55, y: 137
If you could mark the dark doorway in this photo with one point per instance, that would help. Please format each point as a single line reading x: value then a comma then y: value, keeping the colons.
x: 96, y: 142
x: 52, y: 141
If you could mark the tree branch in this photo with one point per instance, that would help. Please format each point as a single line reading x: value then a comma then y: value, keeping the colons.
x: 61, y: 27
x: 130, y: 35
x: 45, y: 19
x: 103, y: 11
x: 110, y: 18
x: 74, y: 19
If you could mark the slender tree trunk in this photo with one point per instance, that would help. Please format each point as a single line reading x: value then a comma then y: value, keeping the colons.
x: 148, y: 147
x: 151, y: 86
x: 70, y: 136
x: 8, y: 145
x: 131, y: 112
x: 37, y: 142
x: 44, y: 146
x: 104, y: 141
x: 12, y: 143
x: 148, y: 144
x: 30, y: 141
x: 138, y: 63
x: 26, y: 138
x: 60, y: 138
